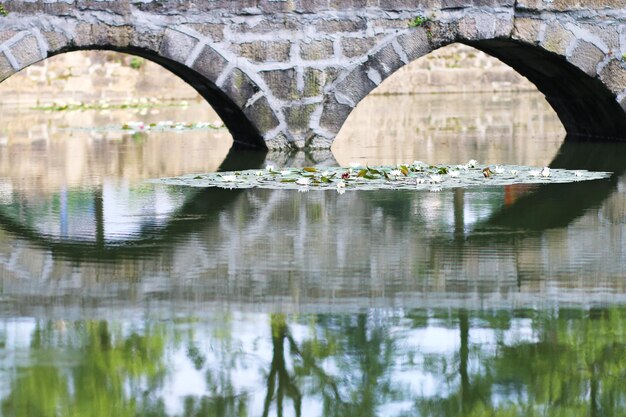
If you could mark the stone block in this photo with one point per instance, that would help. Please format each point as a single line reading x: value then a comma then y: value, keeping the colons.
x: 5, y: 35
x: 239, y: 87
x: 177, y: 45
x: 212, y: 31
x: 314, y: 82
x: 107, y: 35
x: 277, y: 142
x: 586, y: 56
x: 320, y: 142
x: 357, y: 47
x: 6, y: 70
x: 316, y: 50
x: 557, y: 38
x: 338, y: 26
x: 613, y: 75
x: 55, y: 40
x: 334, y: 115
x: 210, y: 63
x: 82, y: 35
x: 354, y: 87
x: 299, y: 117
x: 282, y: 83
x: 261, y: 115
x: 416, y: 43
x: 526, y: 29
x: 26, y: 51
x: 148, y: 39
x: 264, y: 51
x: 384, y: 62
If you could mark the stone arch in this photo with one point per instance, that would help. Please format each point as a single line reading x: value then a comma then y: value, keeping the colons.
x: 582, y: 77
x: 235, y: 93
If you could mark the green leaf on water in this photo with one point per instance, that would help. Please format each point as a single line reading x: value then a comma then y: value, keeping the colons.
x: 326, y: 180
x: 442, y: 171
x: 404, y: 170
x: 197, y: 177
x: 309, y: 169
x: 361, y: 173
x: 288, y: 180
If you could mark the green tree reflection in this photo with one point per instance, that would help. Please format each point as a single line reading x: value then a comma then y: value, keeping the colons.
x: 88, y: 369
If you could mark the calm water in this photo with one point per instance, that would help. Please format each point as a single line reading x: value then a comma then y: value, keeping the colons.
x: 118, y: 297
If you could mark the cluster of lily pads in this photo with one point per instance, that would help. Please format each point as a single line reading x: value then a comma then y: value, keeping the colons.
x: 171, y: 126
x: 139, y: 103
x: 417, y: 175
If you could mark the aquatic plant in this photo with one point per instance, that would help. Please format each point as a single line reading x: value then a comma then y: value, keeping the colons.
x: 399, y: 177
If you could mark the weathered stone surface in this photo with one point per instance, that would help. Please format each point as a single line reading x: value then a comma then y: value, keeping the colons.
x: 26, y: 51
x: 177, y: 45
x: 334, y: 115
x: 354, y: 87
x: 118, y: 36
x: 416, y: 43
x: 240, y: 88
x: 614, y: 75
x: 586, y: 56
x: 261, y: 114
x: 314, y: 82
x: 55, y: 40
x: 282, y: 83
x: 526, y: 29
x: 384, y: 62
x: 6, y: 70
x: 299, y: 117
x: 316, y: 50
x: 557, y: 38
x: 355, y: 47
x: 336, y: 26
x: 264, y: 51
x: 210, y: 63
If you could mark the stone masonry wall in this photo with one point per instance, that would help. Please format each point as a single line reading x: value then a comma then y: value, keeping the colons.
x: 288, y: 73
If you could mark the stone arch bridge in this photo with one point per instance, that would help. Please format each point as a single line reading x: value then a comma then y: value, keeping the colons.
x: 287, y: 73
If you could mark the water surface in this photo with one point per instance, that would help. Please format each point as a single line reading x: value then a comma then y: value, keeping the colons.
x: 120, y: 297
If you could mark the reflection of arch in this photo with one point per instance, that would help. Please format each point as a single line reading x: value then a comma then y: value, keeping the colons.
x: 237, y: 95
x: 587, y: 102
x: 202, y: 206
x: 557, y: 205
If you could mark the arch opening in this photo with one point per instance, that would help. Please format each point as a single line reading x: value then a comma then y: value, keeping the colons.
x: 242, y: 130
x: 449, y: 106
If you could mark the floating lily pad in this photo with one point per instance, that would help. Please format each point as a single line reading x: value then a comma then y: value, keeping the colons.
x: 414, y: 176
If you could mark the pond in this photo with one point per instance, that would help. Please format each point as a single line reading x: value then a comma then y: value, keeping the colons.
x: 122, y: 297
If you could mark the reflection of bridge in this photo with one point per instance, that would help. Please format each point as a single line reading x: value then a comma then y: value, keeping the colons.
x: 276, y: 247
x: 288, y: 73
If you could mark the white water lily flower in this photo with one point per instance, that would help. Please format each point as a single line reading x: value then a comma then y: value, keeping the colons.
x: 395, y: 172
x: 218, y: 123
x: 341, y: 191
x: 435, y: 178
x: 454, y: 174
x: 419, y: 181
x: 534, y: 173
x: 341, y: 184
x: 285, y: 172
x: 462, y: 167
x: 326, y: 174
x: 259, y: 173
x: 269, y: 168
x: 545, y: 172
x: 229, y: 178
x: 498, y: 169
x: 514, y: 172
x: 472, y: 163
x: 578, y: 173
x: 303, y: 181
x: 435, y: 189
